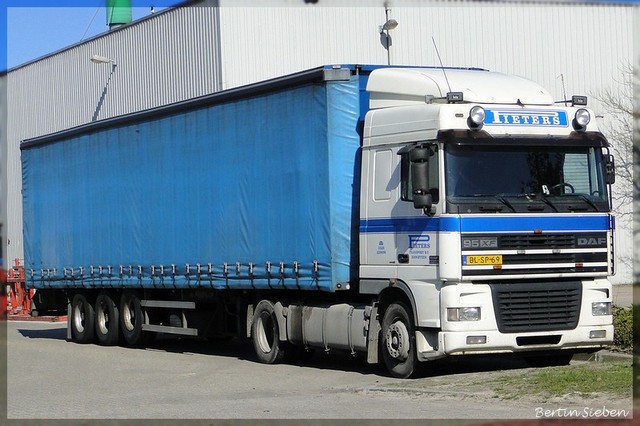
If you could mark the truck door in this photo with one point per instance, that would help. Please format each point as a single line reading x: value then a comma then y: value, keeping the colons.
x: 394, y: 231
x: 417, y: 230
x: 383, y: 179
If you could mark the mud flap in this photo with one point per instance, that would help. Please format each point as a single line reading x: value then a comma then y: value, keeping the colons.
x: 372, y: 336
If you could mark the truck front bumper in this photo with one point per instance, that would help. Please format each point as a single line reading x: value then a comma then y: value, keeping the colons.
x: 492, y: 341
x: 585, y: 337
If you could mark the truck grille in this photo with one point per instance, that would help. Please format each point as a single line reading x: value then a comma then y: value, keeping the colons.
x: 536, y: 306
x: 552, y: 241
x: 536, y: 254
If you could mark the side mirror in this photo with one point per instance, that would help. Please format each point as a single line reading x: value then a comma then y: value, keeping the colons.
x: 422, y: 201
x: 419, y: 157
x: 609, y: 169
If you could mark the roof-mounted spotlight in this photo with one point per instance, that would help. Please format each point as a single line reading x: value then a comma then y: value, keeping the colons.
x: 581, y: 120
x: 476, y: 118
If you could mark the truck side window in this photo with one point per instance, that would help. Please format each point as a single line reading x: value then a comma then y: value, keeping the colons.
x: 406, y: 190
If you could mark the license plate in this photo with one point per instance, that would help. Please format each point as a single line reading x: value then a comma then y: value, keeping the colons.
x: 483, y: 260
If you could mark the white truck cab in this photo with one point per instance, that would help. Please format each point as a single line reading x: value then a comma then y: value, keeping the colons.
x: 488, y: 206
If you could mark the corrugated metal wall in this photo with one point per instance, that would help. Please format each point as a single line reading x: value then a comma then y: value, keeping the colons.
x: 163, y: 59
x: 185, y: 52
x: 584, y: 43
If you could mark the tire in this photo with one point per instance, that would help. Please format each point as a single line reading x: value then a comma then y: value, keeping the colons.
x: 265, y: 334
x: 107, y: 322
x: 131, y: 318
x: 551, y: 360
x: 82, y: 317
x: 398, y: 342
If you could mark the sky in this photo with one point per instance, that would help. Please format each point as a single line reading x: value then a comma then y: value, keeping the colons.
x: 31, y: 29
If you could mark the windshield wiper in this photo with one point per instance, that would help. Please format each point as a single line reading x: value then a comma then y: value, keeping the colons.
x: 544, y: 199
x: 586, y: 200
x: 500, y: 197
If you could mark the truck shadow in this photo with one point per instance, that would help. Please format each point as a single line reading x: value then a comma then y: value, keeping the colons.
x: 50, y: 333
x: 336, y: 360
x: 242, y: 349
x: 342, y: 360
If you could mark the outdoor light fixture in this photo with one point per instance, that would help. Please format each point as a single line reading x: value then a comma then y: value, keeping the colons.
x: 97, y: 59
x: 389, y: 25
x: 384, y: 29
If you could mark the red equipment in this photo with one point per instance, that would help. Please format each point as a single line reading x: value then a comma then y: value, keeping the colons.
x: 19, y: 297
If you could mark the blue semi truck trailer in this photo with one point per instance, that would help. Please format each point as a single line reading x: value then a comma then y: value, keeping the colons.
x: 406, y: 213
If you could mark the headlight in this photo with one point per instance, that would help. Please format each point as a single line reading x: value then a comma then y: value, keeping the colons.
x: 581, y: 119
x: 476, y: 117
x: 463, y: 314
x: 600, y: 308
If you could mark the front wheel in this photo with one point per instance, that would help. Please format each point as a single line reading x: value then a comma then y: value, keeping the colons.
x: 399, y: 342
x: 265, y: 334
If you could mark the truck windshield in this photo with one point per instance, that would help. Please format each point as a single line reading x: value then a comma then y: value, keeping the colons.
x: 508, y: 178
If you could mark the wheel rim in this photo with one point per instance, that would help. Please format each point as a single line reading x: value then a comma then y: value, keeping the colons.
x: 129, y: 316
x: 398, y: 341
x: 103, y: 318
x: 78, y: 318
x: 264, y: 332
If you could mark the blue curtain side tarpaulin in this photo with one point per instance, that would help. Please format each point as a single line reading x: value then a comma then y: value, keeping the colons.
x: 252, y: 193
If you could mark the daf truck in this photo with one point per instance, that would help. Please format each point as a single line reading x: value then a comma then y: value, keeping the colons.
x: 406, y: 213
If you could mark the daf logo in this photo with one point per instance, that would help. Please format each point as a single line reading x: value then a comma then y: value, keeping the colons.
x: 479, y: 243
x: 591, y: 241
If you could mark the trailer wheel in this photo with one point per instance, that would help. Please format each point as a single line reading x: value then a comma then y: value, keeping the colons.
x: 265, y: 334
x: 107, y: 323
x: 131, y: 318
x: 398, y: 342
x: 82, y: 319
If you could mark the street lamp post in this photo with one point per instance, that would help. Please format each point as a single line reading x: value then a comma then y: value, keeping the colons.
x: 98, y: 59
x: 384, y: 29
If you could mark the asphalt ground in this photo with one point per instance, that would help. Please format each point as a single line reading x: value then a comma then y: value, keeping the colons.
x: 50, y: 378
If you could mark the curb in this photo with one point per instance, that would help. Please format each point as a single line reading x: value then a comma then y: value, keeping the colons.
x: 44, y: 318
x: 604, y: 356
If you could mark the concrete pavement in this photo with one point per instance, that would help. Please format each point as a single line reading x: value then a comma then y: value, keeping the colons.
x: 623, y: 295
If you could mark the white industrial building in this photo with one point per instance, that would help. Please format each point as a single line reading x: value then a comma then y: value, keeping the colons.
x: 205, y: 46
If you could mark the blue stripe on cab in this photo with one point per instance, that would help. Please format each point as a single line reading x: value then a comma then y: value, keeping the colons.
x: 486, y: 224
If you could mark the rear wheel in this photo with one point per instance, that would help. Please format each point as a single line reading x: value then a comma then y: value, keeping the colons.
x: 265, y: 334
x: 82, y: 319
x: 398, y: 342
x: 131, y: 318
x: 107, y: 322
